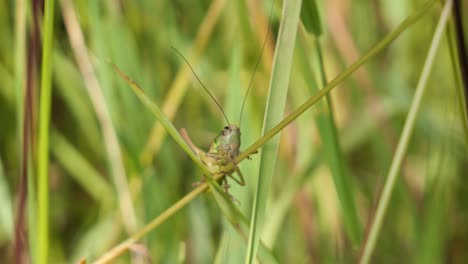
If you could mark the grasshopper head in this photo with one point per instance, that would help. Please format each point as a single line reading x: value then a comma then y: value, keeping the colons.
x: 227, y: 142
x: 230, y: 135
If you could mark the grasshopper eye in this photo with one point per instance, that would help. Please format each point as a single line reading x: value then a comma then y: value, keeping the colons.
x: 225, y: 130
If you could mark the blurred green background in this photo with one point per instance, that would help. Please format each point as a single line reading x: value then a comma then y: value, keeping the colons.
x: 112, y: 169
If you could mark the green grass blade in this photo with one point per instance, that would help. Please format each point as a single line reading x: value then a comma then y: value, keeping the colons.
x: 400, y: 152
x: 43, y: 141
x: 274, y: 113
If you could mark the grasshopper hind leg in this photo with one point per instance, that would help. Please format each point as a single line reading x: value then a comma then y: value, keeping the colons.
x: 225, y: 185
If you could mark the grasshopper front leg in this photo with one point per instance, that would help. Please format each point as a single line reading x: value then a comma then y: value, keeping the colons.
x: 206, y: 158
x: 240, y: 181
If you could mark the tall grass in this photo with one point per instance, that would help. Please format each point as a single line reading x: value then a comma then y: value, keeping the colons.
x: 120, y: 176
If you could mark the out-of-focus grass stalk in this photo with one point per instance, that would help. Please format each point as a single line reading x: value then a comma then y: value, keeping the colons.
x: 377, y: 222
x: 331, y: 146
x: 454, y: 59
x: 43, y: 141
x: 276, y: 102
x: 20, y: 38
x: 179, y: 86
x: 83, y: 172
x: 97, y: 98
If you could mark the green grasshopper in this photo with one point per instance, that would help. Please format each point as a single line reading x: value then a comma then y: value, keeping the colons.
x: 220, y: 158
x: 222, y: 153
x: 224, y: 149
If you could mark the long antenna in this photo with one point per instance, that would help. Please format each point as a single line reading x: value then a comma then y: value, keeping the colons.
x: 206, y: 89
x: 257, y: 63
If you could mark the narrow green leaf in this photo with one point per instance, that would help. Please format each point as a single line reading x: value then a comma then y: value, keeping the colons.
x: 43, y: 140
x: 274, y: 113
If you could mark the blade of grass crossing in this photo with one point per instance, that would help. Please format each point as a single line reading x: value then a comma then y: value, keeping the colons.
x: 404, y: 139
x: 274, y: 113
